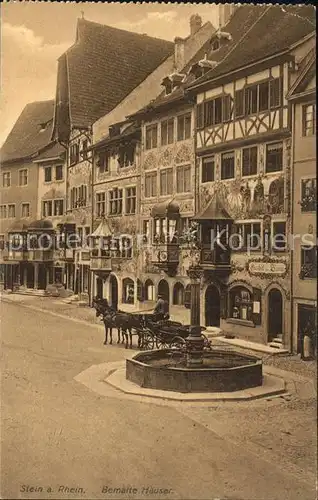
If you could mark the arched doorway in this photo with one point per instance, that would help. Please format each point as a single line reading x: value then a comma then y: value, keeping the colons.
x: 163, y: 289
x: 212, y: 306
x: 275, y: 314
x: 113, y: 291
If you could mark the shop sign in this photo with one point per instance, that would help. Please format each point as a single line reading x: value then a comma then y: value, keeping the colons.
x: 267, y: 267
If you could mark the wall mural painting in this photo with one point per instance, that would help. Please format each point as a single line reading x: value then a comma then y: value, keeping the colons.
x: 257, y: 206
x: 150, y: 161
x: 276, y: 196
x: 166, y: 158
x: 184, y: 154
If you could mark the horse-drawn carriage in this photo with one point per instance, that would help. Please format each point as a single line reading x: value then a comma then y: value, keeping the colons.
x: 152, y: 334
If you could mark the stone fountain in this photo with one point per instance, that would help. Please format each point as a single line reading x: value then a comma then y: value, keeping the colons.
x: 195, y: 366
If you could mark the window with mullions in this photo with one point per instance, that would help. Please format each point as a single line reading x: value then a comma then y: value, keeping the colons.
x: 6, y: 179
x: 183, y: 179
x: 249, y: 161
x: 246, y: 236
x: 184, y: 127
x: 258, y: 97
x: 308, y: 267
x: 279, y: 241
x: 167, y: 132
x: 116, y: 201
x: 151, y: 136
x: 151, y: 184
x: 274, y: 157
x: 308, y: 195
x: 217, y: 110
x: 227, y: 165
x: 166, y: 181
x: 208, y: 168
x: 47, y: 208
x: 101, y: 204
x: 309, y: 119
x: 131, y: 200
x: 103, y: 161
x: 74, y: 153
x: 58, y: 207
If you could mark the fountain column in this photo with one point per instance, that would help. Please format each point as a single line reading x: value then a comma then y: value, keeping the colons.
x: 195, y: 342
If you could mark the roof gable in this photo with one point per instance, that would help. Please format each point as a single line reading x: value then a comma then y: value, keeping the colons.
x: 106, y: 64
x: 30, y: 133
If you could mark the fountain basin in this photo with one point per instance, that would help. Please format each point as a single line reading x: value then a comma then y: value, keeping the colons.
x: 221, y: 371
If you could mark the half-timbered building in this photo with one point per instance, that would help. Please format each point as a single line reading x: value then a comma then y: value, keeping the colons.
x: 243, y: 148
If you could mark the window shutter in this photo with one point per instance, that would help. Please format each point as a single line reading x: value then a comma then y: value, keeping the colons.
x: 200, y: 115
x: 275, y: 93
x: 140, y: 291
x: 187, y: 297
x: 257, y: 297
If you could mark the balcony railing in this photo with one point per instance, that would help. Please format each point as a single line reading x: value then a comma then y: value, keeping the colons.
x: 101, y: 260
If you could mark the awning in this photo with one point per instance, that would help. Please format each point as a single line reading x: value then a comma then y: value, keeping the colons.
x: 103, y: 230
x: 214, y: 211
x: 165, y: 209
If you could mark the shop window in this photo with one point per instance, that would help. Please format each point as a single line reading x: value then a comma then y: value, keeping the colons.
x: 208, y: 169
x: 274, y: 157
x: 308, y: 267
x: 128, y: 291
x: 149, y: 290
x: 249, y: 161
x: 151, y: 136
x: 241, y: 305
x: 227, y: 165
x: 178, y: 294
x: 308, y: 195
x: 167, y: 132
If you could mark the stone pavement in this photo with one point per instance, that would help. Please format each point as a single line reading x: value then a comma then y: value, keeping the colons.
x: 57, y: 306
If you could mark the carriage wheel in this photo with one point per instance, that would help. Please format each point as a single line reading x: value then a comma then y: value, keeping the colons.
x: 148, y: 341
x: 207, y: 342
x: 161, y: 344
x: 177, y: 343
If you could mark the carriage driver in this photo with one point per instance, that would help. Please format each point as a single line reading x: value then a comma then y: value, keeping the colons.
x: 161, y: 310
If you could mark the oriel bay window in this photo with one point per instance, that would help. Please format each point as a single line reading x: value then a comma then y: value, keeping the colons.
x: 227, y: 165
x: 241, y: 304
x: 183, y: 179
x: 167, y: 132
x: 115, y: 201
x: 274, y: 157
x: 121, y: 247
x: 249, y: 161
x: 166, y: 181
x: 164, y: 230
x: 151, y: 136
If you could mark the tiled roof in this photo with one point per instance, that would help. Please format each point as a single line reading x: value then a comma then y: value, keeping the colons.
x: 105, y: 65
x: 31, y: 132
x: 55, y: 150
x: 277, y: 28
x: 244, y: 17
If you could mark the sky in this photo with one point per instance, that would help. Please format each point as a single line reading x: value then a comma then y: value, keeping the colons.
x: 35, y: 34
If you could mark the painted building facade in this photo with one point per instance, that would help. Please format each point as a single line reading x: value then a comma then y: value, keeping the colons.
x: 302, y: 97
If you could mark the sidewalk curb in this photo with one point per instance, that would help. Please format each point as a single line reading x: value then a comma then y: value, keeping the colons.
x: 52, y: 313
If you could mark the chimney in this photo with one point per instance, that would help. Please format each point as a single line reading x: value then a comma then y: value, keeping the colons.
x: 179, y: 61
x: 195, y: 24
x: 226, y: 10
